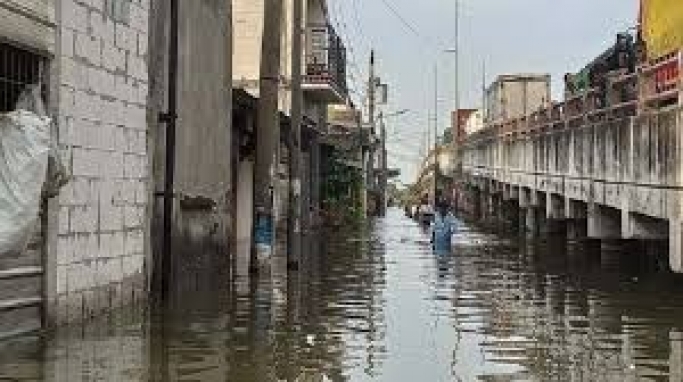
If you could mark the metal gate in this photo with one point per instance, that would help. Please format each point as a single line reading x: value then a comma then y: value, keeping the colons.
x: 21, y: 273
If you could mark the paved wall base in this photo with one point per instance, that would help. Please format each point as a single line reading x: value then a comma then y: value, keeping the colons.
x: 87, y: 304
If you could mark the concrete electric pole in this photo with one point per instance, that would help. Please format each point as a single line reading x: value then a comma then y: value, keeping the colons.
x: 267, y: 134
x: 383, y: 175
x: 372, y: 87
x: 455, y: 152
x: 436, y: 135
x: 294, y: 224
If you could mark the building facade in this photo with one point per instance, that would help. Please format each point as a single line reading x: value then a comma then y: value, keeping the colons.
x: 202, y: 228
x: 324, y: 83
x: 102, y: 67
x: 96, y: 228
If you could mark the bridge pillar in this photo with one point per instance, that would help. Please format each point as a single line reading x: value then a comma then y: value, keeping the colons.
x: 555, y: 207
x: 637, y: 226
x: 577, y: 225
x: 556, y: 222
x: 498, y: 212
x: 483, y: 208
x: 477, y: 201
x: 676, y: 245
x: 530, y: 224
x: 529, y: 212
x: 604, y: 222
x: 577, y: 230
x: 511, y: 214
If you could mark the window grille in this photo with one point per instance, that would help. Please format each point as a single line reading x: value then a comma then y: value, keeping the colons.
x: 118, y: 10
x: 18, y: 69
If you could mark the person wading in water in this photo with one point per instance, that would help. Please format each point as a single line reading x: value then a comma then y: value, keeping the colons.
x: 443, y: 228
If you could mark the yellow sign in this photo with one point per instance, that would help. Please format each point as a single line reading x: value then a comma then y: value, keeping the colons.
x: 662, y: 26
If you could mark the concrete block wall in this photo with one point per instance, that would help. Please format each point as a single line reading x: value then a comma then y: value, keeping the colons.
x: 102, y: 79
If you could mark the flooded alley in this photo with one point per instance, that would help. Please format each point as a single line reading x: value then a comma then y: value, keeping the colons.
x: 382, y: 306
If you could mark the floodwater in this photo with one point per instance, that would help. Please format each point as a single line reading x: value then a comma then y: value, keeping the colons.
x: 382, y: 306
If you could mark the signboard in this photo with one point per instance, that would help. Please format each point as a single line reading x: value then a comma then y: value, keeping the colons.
x: 662, y: 23
x: 343, y: 116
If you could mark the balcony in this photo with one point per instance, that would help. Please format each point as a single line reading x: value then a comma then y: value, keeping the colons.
x: 325, y: 76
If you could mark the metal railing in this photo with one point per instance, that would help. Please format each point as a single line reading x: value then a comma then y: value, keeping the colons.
x: 325, y: 58
x: 653, y: 86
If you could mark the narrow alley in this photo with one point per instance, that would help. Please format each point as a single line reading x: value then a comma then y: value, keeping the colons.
x: 381, y: 306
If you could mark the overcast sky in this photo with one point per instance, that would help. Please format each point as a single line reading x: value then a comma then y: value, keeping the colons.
x: 510, y: 36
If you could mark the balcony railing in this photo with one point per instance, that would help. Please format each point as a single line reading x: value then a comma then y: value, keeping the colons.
x: 325, y: 61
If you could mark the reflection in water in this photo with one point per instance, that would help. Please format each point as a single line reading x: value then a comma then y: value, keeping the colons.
x: 379, y: 305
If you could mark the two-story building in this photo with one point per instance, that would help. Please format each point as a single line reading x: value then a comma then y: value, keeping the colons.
x: 324, y: 83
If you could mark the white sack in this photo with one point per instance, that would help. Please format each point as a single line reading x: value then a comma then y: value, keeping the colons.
x: 24, y: 151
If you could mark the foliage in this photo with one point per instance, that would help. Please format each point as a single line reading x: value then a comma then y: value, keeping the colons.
x: 342, y: 192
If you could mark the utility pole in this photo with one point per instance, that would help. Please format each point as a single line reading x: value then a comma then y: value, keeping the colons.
x: 436, y: 134
x: 294, y: 224
x: 457, y: 161
x: 455, y: 152
x: 383, y: 175
x: 484, y: 106
x: 267, y: 134
x: 372, y: 87
x: 456, y: 52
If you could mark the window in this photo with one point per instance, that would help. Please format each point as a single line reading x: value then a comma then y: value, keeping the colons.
x: 118, y: 10
x: 18, y: 69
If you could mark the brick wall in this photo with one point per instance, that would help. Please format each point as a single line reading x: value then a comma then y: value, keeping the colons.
x: 103, y: 86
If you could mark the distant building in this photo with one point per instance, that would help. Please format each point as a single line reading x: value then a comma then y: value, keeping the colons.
x: 516, y: 95
x: 459, y: 120
x: 474, y: 123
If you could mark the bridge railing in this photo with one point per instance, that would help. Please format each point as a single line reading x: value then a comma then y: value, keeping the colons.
x: 655, y: 85
x: 644, y: 150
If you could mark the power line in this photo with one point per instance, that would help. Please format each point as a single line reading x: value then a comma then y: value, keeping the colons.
x: 338, y: 19
x: 405, y: 22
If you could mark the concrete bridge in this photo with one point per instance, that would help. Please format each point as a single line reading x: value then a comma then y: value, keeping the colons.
x: 607, y: 175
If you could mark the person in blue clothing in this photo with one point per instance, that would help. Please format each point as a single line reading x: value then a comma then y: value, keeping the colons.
x: 443, y: 228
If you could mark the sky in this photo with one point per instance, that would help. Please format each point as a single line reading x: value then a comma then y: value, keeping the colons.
x: 504, y: 36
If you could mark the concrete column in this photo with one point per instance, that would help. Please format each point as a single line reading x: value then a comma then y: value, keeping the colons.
x: 483, y: 205
x: 603, y: 222
x: 555, y: 223
x: 676, y: 245
x: 510, y: 215
x: 531, y: 223
x: 497, y: 208
x: 676, y: 355
x: 315, y: 182
x: 576, y: 224
x: 555, y: 208
x: 576, y: 229
x: 476, y: 201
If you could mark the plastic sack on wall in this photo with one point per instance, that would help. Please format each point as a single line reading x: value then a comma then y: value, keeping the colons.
x: 24, y: 155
